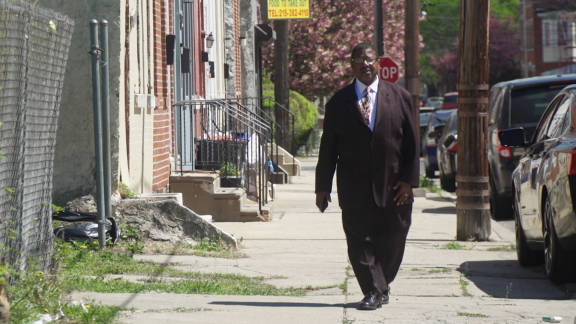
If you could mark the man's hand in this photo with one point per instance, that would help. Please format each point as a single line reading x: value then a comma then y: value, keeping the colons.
x: 320, y: 196
x: 404, y: 191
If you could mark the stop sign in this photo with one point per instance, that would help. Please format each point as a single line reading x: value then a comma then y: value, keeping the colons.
x: 388, y: 70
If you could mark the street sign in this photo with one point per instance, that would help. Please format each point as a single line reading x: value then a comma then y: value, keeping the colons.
x: 285, y: 9
x: 388, y: 70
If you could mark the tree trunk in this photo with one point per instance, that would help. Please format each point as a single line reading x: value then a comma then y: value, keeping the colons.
x: 473, y: 202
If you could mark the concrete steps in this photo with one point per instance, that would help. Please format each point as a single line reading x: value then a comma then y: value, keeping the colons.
x: 202, y: 193
x: 288, y: 163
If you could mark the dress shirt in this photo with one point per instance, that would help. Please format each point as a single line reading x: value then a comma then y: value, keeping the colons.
x: 361, y: 91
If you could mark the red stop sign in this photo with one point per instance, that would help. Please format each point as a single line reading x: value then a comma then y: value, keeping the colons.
x: 388, y: 70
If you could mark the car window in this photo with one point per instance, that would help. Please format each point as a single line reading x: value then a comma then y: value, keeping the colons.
x: 454, y: 122
x: 438, y: 118
x: 570, y: 120
x: 557, y: 125
x: 448, y: 126
x: 424, y: 117
x: 542, y: 129
x: 495, y: 100
x: 528, y: 104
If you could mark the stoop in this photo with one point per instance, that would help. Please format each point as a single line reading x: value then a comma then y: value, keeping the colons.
x: 286, y: 161
x: 201, y: 192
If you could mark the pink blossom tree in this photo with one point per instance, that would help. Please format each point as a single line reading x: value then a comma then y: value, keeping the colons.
x: 503, y: 51
x: 320, y: 47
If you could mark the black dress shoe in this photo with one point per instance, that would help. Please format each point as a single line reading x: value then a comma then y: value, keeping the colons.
x: 371, y: 301
x: 385, y: 298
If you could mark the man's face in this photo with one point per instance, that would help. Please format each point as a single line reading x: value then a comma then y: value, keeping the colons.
x: 365, y: 72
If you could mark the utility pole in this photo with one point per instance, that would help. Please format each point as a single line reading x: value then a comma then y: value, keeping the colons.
x: 412, y: 54
x: 281, y: 83
x: 473, y: 202
x: 378, y: 29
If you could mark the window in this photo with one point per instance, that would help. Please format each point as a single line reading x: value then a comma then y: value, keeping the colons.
x: 557, y: 125
x: 542, y: 129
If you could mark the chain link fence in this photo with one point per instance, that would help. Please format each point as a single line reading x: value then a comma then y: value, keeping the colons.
x: 34, y: 45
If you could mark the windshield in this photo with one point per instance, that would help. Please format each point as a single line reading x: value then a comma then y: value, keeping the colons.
x: 439, y: 118
x: 528, y: 104
x: 451, y: 99
x: 424, y: 117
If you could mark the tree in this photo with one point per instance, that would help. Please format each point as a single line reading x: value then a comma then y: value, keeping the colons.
x: 320, y: 47
x: 440, y: 32
x: 504, y: 50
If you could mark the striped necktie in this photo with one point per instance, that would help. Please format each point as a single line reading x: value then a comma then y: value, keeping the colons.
x: 366, y: 106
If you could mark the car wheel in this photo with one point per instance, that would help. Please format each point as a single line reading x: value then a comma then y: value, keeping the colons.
x: 500, y: 207
x: 560, y: 264
x: 430, y: 173
x: 448, y: 183
x: 526, y: 257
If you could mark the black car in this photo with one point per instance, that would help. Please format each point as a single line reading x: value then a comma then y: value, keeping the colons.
x: 516, y: 103
x: 544, y: 189
x: 446, y: 152
x: 428, y: 150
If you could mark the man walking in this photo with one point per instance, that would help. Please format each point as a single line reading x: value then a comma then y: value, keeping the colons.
x: 370, y: 138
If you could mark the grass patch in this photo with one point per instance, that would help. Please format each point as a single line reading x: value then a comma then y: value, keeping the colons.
x: 453, y: 246
x: 464, y: 286
x: 178, y: 310
x: 429, y: 185
x: 510, y: 247
x: 34, y: 294
x: 471, y: 314
x: 415, y: 269
x: 443, y: 270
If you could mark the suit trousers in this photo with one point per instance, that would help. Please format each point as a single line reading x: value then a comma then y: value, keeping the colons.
x: 376, y: 238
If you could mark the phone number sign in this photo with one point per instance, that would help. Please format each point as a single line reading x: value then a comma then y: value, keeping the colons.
x: 285, y: 9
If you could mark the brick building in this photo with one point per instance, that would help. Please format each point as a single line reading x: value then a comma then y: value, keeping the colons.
x: 548, y: 37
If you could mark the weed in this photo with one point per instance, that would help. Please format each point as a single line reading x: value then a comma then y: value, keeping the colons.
x: 345, y: 320
x: 463, y: 286
x: 453, y: 246
x: 471, y: 314
x: 443, y: 270
x: 213, y: 243
x: 125, y: 192
x: 510, y: 247
x: 131, y: 239
x: 415, y: 269
x: 178, y: 310
x: 508, y: 290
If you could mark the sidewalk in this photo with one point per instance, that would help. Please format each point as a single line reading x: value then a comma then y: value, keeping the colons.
x: 302, y: 247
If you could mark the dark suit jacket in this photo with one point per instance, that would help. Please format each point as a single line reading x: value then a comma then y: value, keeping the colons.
x: 369, y: 163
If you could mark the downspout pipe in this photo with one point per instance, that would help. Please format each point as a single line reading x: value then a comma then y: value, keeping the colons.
x: 106, y: 118
x: 96, y: 104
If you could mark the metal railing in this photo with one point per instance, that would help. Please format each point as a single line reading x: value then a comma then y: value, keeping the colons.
x: 227, y: 136
x: 268, y: 105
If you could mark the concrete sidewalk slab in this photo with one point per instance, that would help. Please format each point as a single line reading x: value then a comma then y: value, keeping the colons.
x: 302, y: 247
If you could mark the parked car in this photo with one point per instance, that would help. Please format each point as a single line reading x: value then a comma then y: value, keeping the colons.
x: 428, y: 150
x: 544, y: 189
x: 450, y: 100
x: 435, y: 102
x: 446, y: 152
x: 424, y: 117
x: 516, y: 103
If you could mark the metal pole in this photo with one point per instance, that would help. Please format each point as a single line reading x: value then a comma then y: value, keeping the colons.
x: 105, y: 91
x: 95, y: 53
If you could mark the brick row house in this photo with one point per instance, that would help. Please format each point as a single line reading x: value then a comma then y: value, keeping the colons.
x: 162, y: 53
x: 548, y: 37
